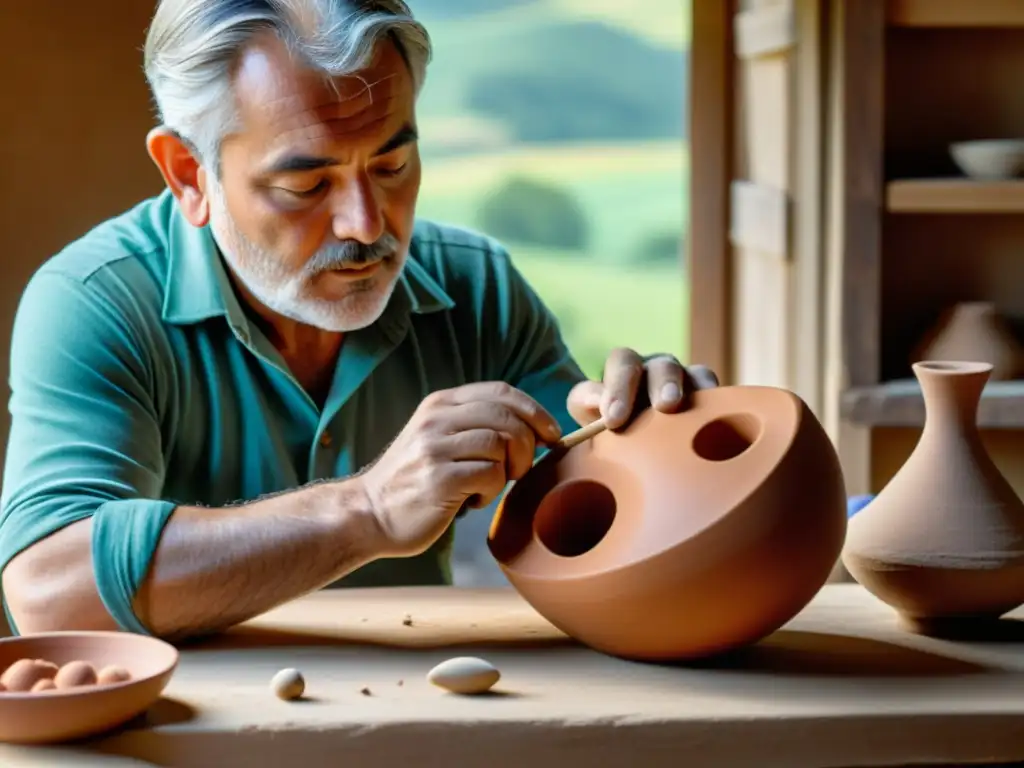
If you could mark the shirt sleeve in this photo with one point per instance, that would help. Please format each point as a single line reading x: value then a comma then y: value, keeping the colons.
x: 85, y: 438
x: 530, y: 352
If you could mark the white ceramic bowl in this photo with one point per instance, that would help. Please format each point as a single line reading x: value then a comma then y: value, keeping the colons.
x: 989, y: 158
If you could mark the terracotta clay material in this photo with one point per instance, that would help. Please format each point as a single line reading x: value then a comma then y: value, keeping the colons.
x: 975, y: 332
x: 684, y: 535
x: 944, y: 540
x: 54, y: 714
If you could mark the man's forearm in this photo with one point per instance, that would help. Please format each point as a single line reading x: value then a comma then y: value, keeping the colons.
x: 215, y: 568
x: 212, y: 568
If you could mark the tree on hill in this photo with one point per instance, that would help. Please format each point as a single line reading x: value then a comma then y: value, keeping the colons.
x: 524, y: 210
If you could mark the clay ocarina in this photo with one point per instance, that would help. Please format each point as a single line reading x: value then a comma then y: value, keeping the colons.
x: 684, y: 535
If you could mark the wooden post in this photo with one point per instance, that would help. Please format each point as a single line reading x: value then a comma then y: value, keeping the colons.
x: 711, y: 148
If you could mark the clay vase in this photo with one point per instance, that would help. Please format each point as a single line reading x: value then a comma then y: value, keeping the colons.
x: 944, y: 539
x: 684, y: 535
x: 974, y: 332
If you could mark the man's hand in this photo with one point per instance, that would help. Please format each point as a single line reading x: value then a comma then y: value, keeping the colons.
x: 460, y: 447
x: 665, y: 382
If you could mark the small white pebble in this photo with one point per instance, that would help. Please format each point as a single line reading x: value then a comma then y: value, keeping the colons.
x: 288, y: 684
x: 465, y: 675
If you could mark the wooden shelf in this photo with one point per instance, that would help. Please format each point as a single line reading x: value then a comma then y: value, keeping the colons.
x: 954, y: 195
x: 955, y: 13
x: 899, y: 404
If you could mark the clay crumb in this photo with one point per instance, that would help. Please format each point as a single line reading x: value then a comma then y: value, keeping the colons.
x: 366, y: 692
x: 407, y: 620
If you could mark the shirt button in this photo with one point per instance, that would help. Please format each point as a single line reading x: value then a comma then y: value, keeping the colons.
x: 325, y: 440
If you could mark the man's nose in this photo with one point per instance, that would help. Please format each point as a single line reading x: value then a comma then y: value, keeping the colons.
x: 357, y: 213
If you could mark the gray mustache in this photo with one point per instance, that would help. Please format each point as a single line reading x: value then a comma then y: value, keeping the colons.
x: 352, y: 253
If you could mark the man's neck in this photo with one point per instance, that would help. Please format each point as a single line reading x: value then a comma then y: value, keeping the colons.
x: 310, y: 353
x: 312, y: 357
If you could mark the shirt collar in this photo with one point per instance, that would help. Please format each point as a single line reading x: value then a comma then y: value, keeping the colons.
x: 198, y: 286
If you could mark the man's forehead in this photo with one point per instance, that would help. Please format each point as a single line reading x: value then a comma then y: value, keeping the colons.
x: 289, y: 98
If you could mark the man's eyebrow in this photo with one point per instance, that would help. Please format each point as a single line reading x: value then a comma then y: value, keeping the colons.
x: 299, y: 164
x: 303, y: 163
x: 405, y: 135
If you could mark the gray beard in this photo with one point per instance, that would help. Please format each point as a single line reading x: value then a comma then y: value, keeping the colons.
x: 266, y: 278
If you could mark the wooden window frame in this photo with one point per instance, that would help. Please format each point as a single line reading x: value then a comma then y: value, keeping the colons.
x: 711, y: 162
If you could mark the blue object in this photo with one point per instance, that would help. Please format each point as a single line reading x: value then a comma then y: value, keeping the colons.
x: 855, y: 504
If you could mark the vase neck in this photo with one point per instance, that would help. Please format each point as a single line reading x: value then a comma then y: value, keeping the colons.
x: 952, y: 396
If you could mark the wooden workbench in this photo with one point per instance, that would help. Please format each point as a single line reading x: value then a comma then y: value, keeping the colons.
x: 841, y: 685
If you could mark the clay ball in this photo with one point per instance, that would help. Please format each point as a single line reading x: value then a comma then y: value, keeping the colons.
x: 464, y: 675
x: 25, y: 673
x: 288, y: 684
x: 35, y: 675
x: 112, y: 674
x: 75, y: 674
x: 48, y: 666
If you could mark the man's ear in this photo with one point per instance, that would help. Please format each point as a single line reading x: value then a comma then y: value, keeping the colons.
x: 182, y: 172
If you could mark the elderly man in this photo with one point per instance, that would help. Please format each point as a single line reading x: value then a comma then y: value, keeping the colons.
x: 271, y: 378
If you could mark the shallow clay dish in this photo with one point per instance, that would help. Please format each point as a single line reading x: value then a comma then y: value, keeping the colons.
x: 54, y: 716
x: 684, y: 535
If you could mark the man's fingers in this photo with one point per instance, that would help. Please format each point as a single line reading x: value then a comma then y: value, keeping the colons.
x: 495, y: 416
x: 468, y: 424
x: 623, y: 372
x: 498, y: 392
x: 481, y: 482
x: 702, y: 377
x: 476, y: 445
x: 665, y: 383
x: 584, y: 403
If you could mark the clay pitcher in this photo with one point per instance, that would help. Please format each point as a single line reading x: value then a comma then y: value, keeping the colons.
x: 683, y: 535
x: 973, y: 331
x: 944, y: 540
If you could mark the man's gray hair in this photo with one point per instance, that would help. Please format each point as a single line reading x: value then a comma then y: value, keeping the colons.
x: 193, y: 45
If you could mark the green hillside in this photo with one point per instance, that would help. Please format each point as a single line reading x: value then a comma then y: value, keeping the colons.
x: 561, y: 119
x: 550, y: 71
x: 663, y: 22
x: 630, y: 191
x: 599, y: 309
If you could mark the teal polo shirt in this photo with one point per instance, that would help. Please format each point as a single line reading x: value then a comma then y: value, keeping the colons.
x: 139, y: 383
